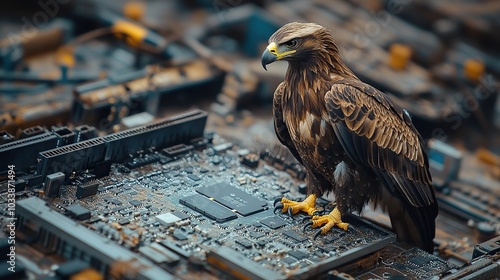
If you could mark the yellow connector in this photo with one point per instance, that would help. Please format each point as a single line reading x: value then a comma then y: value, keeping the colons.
x: 135, y: 33
x: 65, y: 56
x: 134, y: 10
x: 473, y: 69
x: 87, y: 274
x: 399, y: 55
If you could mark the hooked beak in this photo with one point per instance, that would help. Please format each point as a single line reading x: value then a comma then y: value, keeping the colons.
x: 269, y: 55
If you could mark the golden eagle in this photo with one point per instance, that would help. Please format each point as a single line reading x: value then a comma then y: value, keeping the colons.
x: 352, y: 139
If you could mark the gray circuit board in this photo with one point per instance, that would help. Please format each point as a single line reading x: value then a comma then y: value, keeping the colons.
x: 405, y: 263
x: 203, y: 206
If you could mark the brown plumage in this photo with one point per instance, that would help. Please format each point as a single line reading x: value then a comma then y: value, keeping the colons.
x: 352, y: 139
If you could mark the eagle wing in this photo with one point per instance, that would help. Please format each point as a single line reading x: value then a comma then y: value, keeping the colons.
x: 279, y: 124
x: 377, y: 133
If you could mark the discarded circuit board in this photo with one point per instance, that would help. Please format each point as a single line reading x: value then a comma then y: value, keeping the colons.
x: 210, y: 207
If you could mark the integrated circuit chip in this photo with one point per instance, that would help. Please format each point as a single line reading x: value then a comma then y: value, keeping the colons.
x: 299, y: 255
x: 78, y: 212
x: 180, y: 215
x: 244, y: 242
x: 289, y: 261
x: 208, y: 208
x: 194, y: 177
x: 273, y: 222
x: 233, y: 198
x: 256, y: 234
x: 295, y: 236
x: 135, y: 202
x: 167, y: 219
x: 179, y: 235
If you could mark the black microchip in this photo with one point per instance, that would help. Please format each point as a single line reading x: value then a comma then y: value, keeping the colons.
x: 295, y: 236
x: 180, y: 215
x: 115, y: 201
x: 289, y: 260
x: 94, y: 220
x: 262, y: 242
x: 244, y: 242
x: 124, y: 221
x: 256, y: 234
x: 135, y: 202
x: 273, y: 222
x: 78, y: 212
x: 297, y: 254
x: 126, y: 211
x: 239, y: 226
x: 179, y: 235
x: 20, y: 185
x: 194, y: 177
x: 420, y: 260
x: 233, y: 198
x: 208, y: 208
x: 117, y: 209
x: 331, y: 238
x: 116, y: 191
x: 90, y: 189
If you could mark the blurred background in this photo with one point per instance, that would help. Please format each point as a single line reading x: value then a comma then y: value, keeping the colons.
x: 114, y: 65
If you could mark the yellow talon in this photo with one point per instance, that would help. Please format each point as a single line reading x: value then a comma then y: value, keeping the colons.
x: 329, y: 221
x: 308, y: 205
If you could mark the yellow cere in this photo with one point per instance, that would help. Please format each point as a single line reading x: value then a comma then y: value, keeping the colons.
x: 273, y: 48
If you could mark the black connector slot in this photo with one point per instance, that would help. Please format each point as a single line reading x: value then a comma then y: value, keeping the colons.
x: 6, y: 137
x: 179, y: 129
x: 32, y: 131
x: 65, y: 136
x: 84, y: 132
x: 78, y: 156
x: 23, y: 153
x: 117, y: 147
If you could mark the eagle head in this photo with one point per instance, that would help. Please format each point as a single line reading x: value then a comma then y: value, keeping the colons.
x: 294, y: 41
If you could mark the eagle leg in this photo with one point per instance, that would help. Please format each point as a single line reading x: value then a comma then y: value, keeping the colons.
x: 293, y: 207
x: 326, y: 222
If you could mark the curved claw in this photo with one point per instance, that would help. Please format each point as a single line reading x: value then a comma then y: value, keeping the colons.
x: 279, y: 206
x: 307, y: 218
x: 290, y: 212
x: 307, y: 225
x: 317, y: 213
x: 277, y: 200
x: 318, y: 232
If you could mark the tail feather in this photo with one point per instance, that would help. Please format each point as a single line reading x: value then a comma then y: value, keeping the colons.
x: 415, y: 225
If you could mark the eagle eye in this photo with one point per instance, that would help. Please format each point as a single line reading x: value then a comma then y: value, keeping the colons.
x: 292, y: 43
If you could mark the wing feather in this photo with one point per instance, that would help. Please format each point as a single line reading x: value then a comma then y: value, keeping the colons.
x: 279, y: 125
x: 377, y: 133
